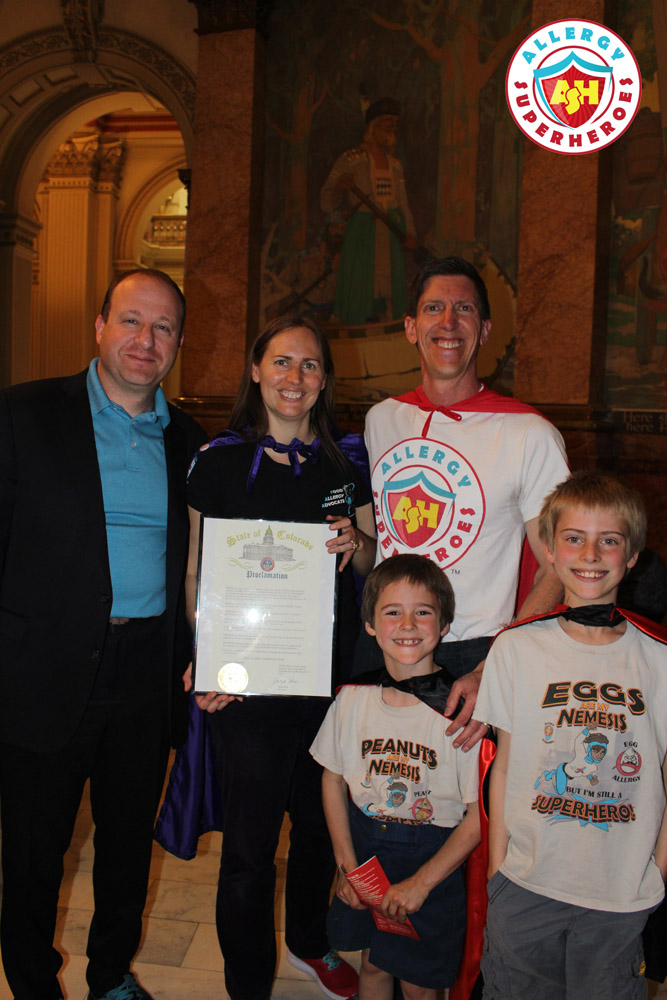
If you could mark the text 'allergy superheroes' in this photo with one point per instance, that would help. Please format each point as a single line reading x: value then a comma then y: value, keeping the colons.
x: 459, y: 489
x: 573, y: 86
x: 421, y: 504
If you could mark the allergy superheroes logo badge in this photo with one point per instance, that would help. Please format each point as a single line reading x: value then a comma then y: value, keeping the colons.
x: 429, y: 500
x: 573, y: 86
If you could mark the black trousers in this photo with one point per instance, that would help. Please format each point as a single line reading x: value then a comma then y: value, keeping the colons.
x: 122, y: 745
x: 264, y: 769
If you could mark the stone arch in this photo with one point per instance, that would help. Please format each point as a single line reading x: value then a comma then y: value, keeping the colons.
x: 44, y: 94
x: 42, y: 85
x: 129, y: 223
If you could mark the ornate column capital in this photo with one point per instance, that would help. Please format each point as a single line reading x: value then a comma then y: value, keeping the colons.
x: 82, y: 18
x: 76, y: 157
x: 17, y: 230
x: 87, y: 157
x: 111, y: 159
x: 232, y: 15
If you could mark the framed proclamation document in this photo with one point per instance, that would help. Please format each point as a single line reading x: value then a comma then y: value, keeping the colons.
x: 265, y: 608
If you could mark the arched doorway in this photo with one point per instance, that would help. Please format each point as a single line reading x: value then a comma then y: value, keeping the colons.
x: 61, y: 114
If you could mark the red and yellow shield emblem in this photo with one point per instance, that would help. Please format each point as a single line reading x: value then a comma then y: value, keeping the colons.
x: 572, y: 91
x: 417, y: 509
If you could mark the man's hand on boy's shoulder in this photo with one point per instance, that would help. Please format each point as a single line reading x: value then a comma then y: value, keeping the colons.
x: 472, y: 732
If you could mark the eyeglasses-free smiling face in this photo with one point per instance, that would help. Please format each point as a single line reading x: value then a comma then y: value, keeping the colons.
x: 290, y: 378
x: 406, y: 625
x: 139, y: 340
x: 590, y: 554
x: 448, y: 331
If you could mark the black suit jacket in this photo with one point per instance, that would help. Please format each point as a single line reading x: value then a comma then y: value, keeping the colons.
x: 55, y: 585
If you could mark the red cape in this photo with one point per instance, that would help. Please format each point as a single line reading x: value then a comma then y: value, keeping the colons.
x: 484, y: 401
x: 645, y: 625
x: 476, y: 896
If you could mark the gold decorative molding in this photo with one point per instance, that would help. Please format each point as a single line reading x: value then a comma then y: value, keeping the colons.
x: 110, y: 42
x: 111, y: 161
x: 113, y: 40
x: 168, y: 230
x: 86, y: 158
x: 82, y: 19
x: 15, y: 230
x: 33, y: 46
x: 76, y: 157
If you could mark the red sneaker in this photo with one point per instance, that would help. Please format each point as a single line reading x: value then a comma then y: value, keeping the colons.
x: 335, y: 977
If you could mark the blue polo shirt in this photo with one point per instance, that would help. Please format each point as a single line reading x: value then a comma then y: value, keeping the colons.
x: 130, y: 453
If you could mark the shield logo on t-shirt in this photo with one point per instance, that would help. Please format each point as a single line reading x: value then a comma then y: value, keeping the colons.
x: 417, y: 508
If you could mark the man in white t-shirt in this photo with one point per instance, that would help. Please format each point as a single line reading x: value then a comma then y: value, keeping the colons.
x: 459, y: 474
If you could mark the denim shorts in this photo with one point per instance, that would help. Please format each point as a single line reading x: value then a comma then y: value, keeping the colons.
x: 433, y: 961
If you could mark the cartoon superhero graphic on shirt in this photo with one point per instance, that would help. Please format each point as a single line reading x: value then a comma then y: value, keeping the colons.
x: 590, y: 750
x: 396, y: 794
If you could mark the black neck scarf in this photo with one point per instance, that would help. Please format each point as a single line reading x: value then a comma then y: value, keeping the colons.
x: 599, y: 615
x: 433, y: 689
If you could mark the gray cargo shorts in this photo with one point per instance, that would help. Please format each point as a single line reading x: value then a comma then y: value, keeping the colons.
x: 539, y: 947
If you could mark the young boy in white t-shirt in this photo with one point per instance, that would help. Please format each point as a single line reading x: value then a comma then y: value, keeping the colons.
x: 577, y: 835
x: 413, y: 797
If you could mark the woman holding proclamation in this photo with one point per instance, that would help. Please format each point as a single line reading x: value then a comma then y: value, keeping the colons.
x: 281, y: 462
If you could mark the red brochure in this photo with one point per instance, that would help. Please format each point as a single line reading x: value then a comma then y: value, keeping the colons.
x: 370, y: 884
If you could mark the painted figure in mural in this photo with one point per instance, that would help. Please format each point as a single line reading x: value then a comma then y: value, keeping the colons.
x: 368, y: 181
x: 94, y: 640
x: 459, y: 474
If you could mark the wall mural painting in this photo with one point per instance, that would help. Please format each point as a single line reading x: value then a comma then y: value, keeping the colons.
x: 389, y: 141
x: 637, y: 317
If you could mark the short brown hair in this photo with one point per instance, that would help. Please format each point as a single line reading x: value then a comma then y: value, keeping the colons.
x: 149, y: 272
x: 417, y: 570
x: 449, y: 267
x: 595, y: 490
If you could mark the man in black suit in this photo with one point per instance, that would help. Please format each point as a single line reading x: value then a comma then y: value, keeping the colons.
x: 93, y: 639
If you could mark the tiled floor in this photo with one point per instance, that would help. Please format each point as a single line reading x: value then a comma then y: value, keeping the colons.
x: 179, y: 958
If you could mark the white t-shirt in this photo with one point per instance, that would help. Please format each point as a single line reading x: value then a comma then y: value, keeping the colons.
x: 462, y: 495
x: 584, y: 794
x: 397, y: 762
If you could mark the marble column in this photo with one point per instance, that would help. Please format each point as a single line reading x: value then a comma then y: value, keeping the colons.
x: 111, y: 161
x: 224, y: 214
x: 77, y: 198
x: 17, y: 237
x: 67, y: 261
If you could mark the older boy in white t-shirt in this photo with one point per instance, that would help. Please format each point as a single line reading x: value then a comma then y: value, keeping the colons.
x: 578, y: 836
